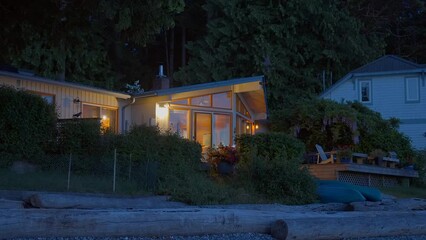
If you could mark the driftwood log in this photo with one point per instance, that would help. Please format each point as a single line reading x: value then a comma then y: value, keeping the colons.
x: 11, y: 204
x: 415, y: 204
x: 84, y: 201
x: 195, y: 221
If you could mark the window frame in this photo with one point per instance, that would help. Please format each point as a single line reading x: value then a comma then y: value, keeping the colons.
x: 370, y: 91
x: 100, y: 106
x: 407, y: 100
x: 43, y: 95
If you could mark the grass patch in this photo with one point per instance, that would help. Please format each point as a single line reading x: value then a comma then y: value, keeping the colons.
x: 405, y: 192
x: 57, y: 182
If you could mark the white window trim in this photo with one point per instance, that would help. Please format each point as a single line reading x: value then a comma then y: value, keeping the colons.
x: 370, y: 92
x: 406, y: 90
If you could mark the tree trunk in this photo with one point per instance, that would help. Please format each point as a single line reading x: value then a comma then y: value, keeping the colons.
x: 63, y: 201
x: 171, y: 53
x: 183, y: 46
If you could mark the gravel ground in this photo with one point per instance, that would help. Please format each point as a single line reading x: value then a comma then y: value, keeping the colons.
x: 238, y: 236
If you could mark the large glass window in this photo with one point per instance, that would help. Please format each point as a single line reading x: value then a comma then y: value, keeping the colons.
x: 202, y: 101
x: 222, y: 100
x: 179, y: 122
x: 365, y: 91
x: 243, y: 126
x: 180, y: 101
x: 241, y: 108
x: 222, y: 129
x: 90, y: 111
x: 412, y: 93
x: 203, y: 130
x: 109, y: 119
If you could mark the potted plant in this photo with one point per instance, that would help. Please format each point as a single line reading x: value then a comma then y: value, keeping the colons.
x: 223, y: 158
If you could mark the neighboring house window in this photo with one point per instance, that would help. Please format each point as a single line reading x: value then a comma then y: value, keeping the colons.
x: 412, y: 89
x: 108, y: 116
x: 365, y: 91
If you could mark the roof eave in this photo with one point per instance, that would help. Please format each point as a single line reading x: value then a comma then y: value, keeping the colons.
x: 65, y: 84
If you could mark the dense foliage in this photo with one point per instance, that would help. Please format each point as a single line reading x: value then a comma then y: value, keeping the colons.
x: 271, y: 163
x: 334, y: 125
x: 83, y: 41
x: 27, y: 125
x: 292, y: 42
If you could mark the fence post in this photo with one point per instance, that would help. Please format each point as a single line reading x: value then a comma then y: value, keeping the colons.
x: 69, y: 172
x: 115, y: 166
x: 130, y: 165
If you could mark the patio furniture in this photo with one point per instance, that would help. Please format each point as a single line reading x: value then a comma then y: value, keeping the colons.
x: 360, y: 158
x: 390, y: 161
x: 323, y: 155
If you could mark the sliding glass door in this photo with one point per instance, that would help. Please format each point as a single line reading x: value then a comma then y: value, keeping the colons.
x: 212, y: 128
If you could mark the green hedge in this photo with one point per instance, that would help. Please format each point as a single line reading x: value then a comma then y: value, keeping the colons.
x: 27, y: 125
x: 335, y: 125
x: 271, y: 163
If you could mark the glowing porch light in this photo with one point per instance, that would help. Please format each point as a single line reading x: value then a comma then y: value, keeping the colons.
x: 162, y: 110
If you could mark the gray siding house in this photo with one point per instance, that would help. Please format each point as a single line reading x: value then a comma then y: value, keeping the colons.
x: 392, y: 86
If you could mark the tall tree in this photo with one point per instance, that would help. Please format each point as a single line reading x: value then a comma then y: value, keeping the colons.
x: 401, y: 22
x: 289, y: 41
x: 72, y: 38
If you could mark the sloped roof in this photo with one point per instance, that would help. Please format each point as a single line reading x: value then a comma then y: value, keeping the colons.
x: 387, y: 63
x: 201, y: 86
x: 64, y: 84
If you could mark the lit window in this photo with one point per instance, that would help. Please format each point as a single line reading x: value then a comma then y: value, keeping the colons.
x: 412, y: 93
x: 222, y: 100
x: 180, y: 102
x: 365, y: 91
x: 241, y: 108
x: 107, y: 116
x: 179, y: 122
x: 203, y: 101
x: 222, y: 129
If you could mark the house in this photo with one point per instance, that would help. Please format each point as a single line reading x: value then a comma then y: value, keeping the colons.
x: 392, y: 86
x: 210, y: 113
x: 72, y: 100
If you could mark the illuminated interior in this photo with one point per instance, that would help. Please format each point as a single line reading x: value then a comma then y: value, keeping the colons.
x: 107, y: 116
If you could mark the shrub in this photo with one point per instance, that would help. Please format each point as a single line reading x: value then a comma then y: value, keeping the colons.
x: 27, y: 124
x: 80, y: 136
x: 335, y: 125
x: 272, y: 164
x: 420, y: 166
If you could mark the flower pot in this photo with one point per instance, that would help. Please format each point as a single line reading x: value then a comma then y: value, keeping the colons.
x: 225, y: 168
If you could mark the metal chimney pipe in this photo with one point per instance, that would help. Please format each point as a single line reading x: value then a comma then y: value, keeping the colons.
x: 160, y: 74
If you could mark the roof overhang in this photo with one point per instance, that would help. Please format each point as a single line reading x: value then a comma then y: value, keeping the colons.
x: 64, y: 84
x: 251, y: 89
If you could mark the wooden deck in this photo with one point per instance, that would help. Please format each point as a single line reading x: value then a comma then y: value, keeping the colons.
x: 361, y: 174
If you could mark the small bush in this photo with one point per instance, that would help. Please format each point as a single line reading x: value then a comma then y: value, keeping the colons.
x: 420, y: 166
x: 336, y: 125
x: 27, y: 125
x: 271, y: 163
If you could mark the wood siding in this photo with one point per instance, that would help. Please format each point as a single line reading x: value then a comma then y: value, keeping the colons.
x: 325, y: 171
x: 64, y: 95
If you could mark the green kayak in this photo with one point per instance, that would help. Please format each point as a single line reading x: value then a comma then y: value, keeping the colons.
x: 369, y: 193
